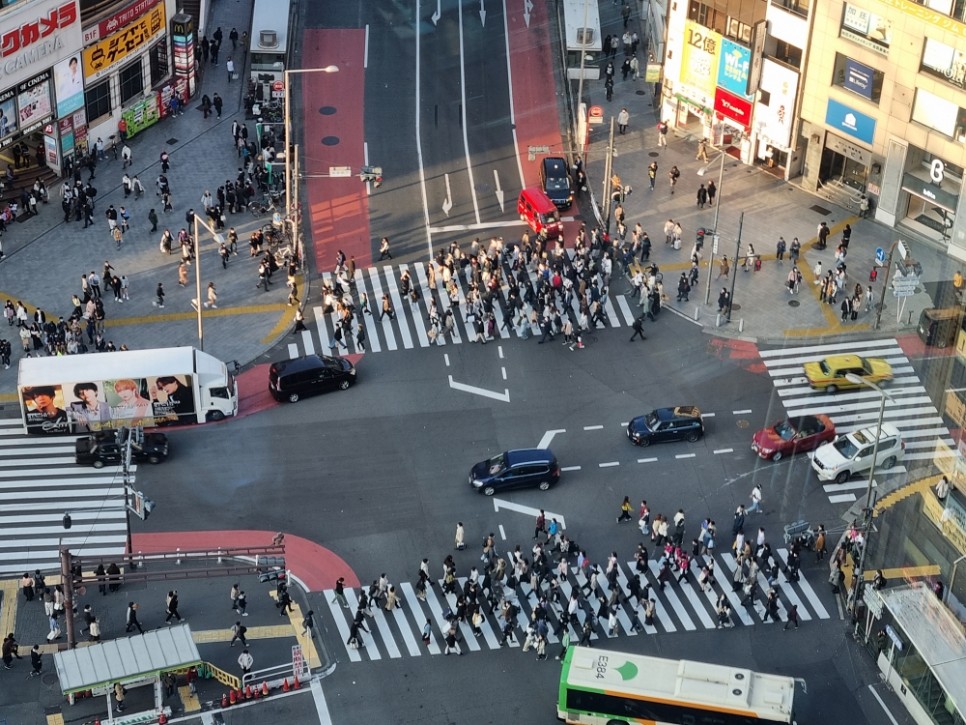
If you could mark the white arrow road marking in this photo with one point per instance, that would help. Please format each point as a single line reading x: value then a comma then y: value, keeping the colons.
x: 482, y: 14
x: 499, y: 191
x: 438, y: 14
x: 448, y: 201
x: 528, y: 510
x: 483, y: 392
x: 548, y: 436
x: 527, y: 7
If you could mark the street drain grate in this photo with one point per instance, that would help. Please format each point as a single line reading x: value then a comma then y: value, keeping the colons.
x: 820, y: 210
x: 793, y: 303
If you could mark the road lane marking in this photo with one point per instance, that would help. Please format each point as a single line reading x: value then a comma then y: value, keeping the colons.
x: 843, y: 498
x: 740, y: 412
x: 482, y: 392
x: 707, y: 415
x: 685, y: 455
x: 646, y: 460
x: 570, y: 468
x: 548, y: 436
x: 724, y: 450
x: 593, y: 427
x: 609, y: 464
x: 503, y: 371
x: 528, y: 510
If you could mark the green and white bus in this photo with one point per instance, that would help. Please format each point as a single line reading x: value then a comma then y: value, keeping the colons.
x: 598, y: 687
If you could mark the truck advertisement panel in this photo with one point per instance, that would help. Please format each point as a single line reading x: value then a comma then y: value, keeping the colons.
x: 92, y: 405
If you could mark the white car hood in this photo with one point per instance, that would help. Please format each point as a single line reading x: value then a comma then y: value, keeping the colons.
x: 828, y: 455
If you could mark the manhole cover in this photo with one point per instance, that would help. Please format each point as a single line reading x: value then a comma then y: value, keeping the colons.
x: 327, y: 110
x: 641, y: 93
x: 171, y: 141
x: 653, y: 154
x: 331, y: 141
x: 820, y: 210
x: 741, y: 423
x: 735, y: 307
x: 793, y: 303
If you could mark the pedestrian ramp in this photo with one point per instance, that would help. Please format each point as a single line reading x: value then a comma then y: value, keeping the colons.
x: 680, y: 607
x: 409, y: 327
x: 910, y: 408
x: 39, y: 483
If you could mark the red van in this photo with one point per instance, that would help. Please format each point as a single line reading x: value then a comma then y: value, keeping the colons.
x: 540, y: 214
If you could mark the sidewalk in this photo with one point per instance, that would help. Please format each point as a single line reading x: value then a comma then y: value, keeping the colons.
x: 763, y: 308
x: 45, y: 256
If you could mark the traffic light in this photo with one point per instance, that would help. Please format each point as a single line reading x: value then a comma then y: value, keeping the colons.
x: 275, y: 575
x: 371, y: 174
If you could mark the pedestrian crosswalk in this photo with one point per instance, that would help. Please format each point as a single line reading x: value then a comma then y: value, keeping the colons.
x: 680, y: 607
x: 39, y: 483
x: 410, y: 326
x: 910, y: 408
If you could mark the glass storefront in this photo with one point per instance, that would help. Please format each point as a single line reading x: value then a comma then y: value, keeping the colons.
x: 930, y: 190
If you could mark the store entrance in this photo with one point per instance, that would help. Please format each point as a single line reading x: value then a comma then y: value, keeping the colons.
x: 838, y: 168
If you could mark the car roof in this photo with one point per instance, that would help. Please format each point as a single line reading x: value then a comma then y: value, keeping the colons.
x: 678, y: 411
x: 843, y: 360
x: 306, y: 362
x: 529, y: 455
x: 864, y: 436
x: 555, y: 165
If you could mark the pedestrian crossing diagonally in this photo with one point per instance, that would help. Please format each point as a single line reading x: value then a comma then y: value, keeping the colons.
x: 910, y: 409
x: 409, y: 328
x: 39, y: 483
x: 680, y: 607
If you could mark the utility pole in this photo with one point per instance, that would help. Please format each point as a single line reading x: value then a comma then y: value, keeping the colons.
x: 734, y: 272
x: 885, y: 286
x: 608, y: 173
x: 67, y: 577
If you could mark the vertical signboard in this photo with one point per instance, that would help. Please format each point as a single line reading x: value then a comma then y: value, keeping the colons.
x: 183, y: 49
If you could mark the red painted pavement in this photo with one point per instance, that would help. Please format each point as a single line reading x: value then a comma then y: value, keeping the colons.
x: 316, y: 566
x: 338, y: 208
x: 913, y: 346
x: 253, y: 395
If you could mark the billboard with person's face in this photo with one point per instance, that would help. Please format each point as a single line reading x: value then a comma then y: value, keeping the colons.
x: 44, y: 410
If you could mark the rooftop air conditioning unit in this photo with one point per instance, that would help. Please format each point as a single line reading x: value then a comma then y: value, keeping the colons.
x: 585, y: 36
x: 268, y: 39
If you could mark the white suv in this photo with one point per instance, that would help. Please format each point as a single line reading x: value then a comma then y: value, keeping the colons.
x: 849, y: 454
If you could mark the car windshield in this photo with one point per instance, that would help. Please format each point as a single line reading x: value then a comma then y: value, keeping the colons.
x: 867, y: 366
x: 496, y: 464
x: 652, y: 421
x: 785, y: 430
x: 558, y: 184
x: 550, y: 216
x: 825, y: 367
x: 846, y: 447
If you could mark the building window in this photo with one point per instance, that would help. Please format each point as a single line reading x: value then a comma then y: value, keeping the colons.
x: 857, y: 78
x: 132, y: 81
x: 953, y: 8
x: 944, y: 62
x: 940, y: 115
x: 799, y: 7
x: 867, y: 29
x: 97, y: 100
x: 738, y: 30
x: 159, y: 63
x: 788, y: 54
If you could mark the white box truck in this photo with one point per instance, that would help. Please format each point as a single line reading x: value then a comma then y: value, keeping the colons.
x: 104, y: 391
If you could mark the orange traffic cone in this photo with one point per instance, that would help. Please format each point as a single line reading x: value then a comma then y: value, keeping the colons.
x: 256, y: 692
x: 265, y: 689
x: 248, y: 692
x: 232, y: 697
x: 241, y: 694
x: 285, y: 685
x: 224, y: 701
x: 295, y: 683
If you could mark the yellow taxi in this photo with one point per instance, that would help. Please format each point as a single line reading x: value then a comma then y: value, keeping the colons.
x: 829, y: 373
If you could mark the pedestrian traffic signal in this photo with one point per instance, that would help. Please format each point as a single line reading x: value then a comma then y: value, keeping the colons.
x: 148, y: 507
x: 371, y: 174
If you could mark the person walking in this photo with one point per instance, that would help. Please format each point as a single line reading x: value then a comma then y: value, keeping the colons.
x: 230, y: 67
x: 626, y: 508
x: 245, y: 661
x: 452, y: 645
x: 702, y: 196
x: 459, y: 541
x: 780, y: 249
x: 212, y: 296
x: 387, y: 308
x: 218, y: 102
x: 662, y: 129
x: 638, y: 329
x: 652, y: 174
x: 756, y: 498
x: 540, y: 526
x: 384, y: 249
x: 10, y: 650
x: 308, y: 623
x: 623, y: 118
x: 340, y: 593
x: 132, y: 618
x: 238, y: 632
x: 673, y: 175
x: 172, y: 607
x: 702, y: 151
x: 119, y: 693
x: 36, y: 661
x: 159, y: 294
x: 724, y: 268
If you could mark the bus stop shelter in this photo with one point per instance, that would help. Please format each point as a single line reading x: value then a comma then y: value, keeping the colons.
x: 132, y: 661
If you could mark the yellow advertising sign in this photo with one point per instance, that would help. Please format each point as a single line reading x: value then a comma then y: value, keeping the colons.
x: 699, y: 59
x: 104, y: 55
x: 928, y: 15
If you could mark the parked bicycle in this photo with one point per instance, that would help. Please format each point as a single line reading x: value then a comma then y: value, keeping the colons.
x: 270, y: 203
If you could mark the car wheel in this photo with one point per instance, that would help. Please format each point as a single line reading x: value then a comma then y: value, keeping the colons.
x: 344, y: 384
x: 643, y: 442
x: 293, y: 397
x: 98, y: 464
x: 831, y: 388
x: 544, y: 485
x: 692, y: 438
x: 777, y: 456
x: 843, y: 476
x: 889, y: 462
x: 154, y: 460
x: 488, y: 490
x: 216, y: 415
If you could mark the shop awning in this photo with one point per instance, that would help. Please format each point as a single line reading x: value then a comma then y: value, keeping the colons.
x: 126, y: 660
x: 935, y: 633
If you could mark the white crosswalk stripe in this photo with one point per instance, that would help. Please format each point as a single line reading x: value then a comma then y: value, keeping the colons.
x: 39, y: 483
x: 911, y: 409
x: 410, y: 326
x: 678, y: 607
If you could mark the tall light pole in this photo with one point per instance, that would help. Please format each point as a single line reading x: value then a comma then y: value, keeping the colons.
x: 582, y: 37
x: 860, y: 574
x: 290, y: 201
x: 717, y: 209
x: 219, y: 239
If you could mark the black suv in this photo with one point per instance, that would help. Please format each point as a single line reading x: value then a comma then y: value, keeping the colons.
x: 101, y: 449
x: 556, y: 181
x: 662, y: 425
x: 521, y: 468
x: 292, y: 380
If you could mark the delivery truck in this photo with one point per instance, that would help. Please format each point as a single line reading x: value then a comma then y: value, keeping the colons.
x: 105, y: 391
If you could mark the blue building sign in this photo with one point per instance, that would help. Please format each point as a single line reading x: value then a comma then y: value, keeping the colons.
x: 858, y: 78
x: 847, y: 120
x: 734, y: 67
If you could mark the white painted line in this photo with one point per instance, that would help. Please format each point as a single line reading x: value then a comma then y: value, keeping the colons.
x: 446, y: 358
x: 842, y: 498
x: 646, y: 460
x: 570, y: 468
x: 372, y: 339
x: 625, y: 310
x: 740, y: 412
x: 365, y: 56
x: 528, y: 510
x: 593, y: 427
x: 503, y: 371
x: 415, y: 310
x: 625, y: 424
x: 883, y: 705
x: 307, y: 342
x: 499, y: 351
x: 685, y: 455
x: 388, y: 641
x: 502, y: 533
x: 848, y: 486
x: 293, y: 351
x: 609, y: 464
x: 707, y: 415
x: 340, y: 623
x: 837, y: 347
x: 723, y: 450
x: 503, y: 397
x: 392, y: 289
x: 375, y: 305
x: 807, y: 590
x: 321, y: 707
x: 410, y: 594
x: 402, y: 623
x: 548, y: 436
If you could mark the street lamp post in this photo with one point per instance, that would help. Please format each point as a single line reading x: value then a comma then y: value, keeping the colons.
x: 219, y: 239
x: 291, y: 150
x: 883, y: 395
x: 734, y: 272
x: 717, y: 209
